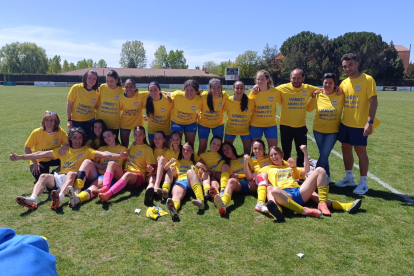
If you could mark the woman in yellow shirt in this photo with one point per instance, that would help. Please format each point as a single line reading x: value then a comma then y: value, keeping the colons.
x: 239, y: 109
x: 131, y: 103
x: 212, y: 113
x: 96, y: 140
x: 82, y: 102
x: 328, y: 116
x: 47, y: 137
x: 108, y: 108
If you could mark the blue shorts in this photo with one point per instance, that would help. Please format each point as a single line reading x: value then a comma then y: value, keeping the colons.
x: 243, y: 137
x: 124, y: 129
x: 151, y: 137
x: 353, y: 136
x: 244, y: 185
x: 191, y: 128
x: 296, y: 196
x: 204, y: 132
x: 269, y: 132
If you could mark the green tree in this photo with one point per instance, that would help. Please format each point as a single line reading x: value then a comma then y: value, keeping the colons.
x: 391, y: 64
x: 90, y: 63
x: 101, y: 64
x: 72, y: 66
x: 82, y: 64
x: 161, y: 58
x: 65, y: 66
x: 211, y: 67
x: 131, y: 63
x: 409, y: 73
x: 135, y: 50
x: 54, y: 65
x: 197, y: 67
x: 176, y: 60
x: 249, y: 64
x: 23, y: 58
x: 269, y: 61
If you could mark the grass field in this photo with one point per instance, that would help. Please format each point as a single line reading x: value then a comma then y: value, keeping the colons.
x: 110, y: 239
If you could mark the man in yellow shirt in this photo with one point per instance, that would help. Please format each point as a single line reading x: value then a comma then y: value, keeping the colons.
x: 358, y: 116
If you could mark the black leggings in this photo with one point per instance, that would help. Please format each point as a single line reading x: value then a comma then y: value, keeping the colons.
x: 46, y: 166
x: 298, y: 134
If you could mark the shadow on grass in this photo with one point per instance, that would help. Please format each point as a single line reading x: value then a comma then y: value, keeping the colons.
x: 28, y: 212
x: 121, y: 196
x: 238, y: 200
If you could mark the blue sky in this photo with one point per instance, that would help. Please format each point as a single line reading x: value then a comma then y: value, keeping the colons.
x: 205, y: 30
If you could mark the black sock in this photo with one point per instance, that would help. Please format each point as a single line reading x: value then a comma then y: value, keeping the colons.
x: 148, y: 197
x: 81, y: 175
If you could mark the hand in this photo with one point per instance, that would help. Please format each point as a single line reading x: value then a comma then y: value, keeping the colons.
x: 303, y: 148
x: 145, y: 119
x: 246, y: 158
x: 36, y: 168
x: 367, y: 129
x: 316, y: 92
x: 69, y: 125
x: 291, y: 162
x: 339, y: 91
x: 256, y: 89
x: 233, y: 175
x: 172, y: 160
x: 201, y: 171
x: 14, y: 157
x: 123, y: 154
x: 62, y: 150
x: 150, y: 168
x: 202, y: 166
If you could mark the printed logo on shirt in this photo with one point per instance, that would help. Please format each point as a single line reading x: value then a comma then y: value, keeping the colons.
x: 241, y: 161
x: 265, y: 163
x: 116, y: 97
x: 358, y: 88
x: 220, y: 104
x: 271, y: 99
x: 139, y: 152
x: 80, y: 155
x: 55, y: 140
x: 162, y: 109
x: 136, y: 103
x: 304, y: 92
x: 94, y: 101
x: 334, y: 102
x: 220, y: 157
x: 247, y: 109
x: 193, y: 107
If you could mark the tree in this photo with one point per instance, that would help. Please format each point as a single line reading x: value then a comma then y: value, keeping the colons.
x: 101, y: 64
x: 269, y: 61
x: 65, y: 66
x: 211, y: 67
x: 249, y: 64
x: 409, y: 73
x: 23, y: 58
x: 161, y: 58
x: 72, y: 66
x: 176, y: 60
x: 82, y: 64
x: 135, y: 50
x: 54, y: 65
x: 131, y: 63
x: 197, y: 67
x: 391, y: 64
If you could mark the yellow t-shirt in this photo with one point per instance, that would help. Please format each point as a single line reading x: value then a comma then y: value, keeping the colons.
x: 238, y: 121
x: 159, y: 152
x: 83, y: 108
x: 237, y: 166
x: 185, y: 111
x: 108, y: 109
x: 170, y: 153
x: 213, y: 119
x: 264, y: 113
x: 328, y: 112
x: 283, y: 177
x: 182, y: 166
x: 72, y: 159
x: 160, y: 120
x: 139, y: 157
x: 40, y: 140
x: 131, y: 116
x: 212, y: 160
x: 294, y: 101
x: 95, y: 142
x: 357, y: 94
x: 256, y: 164
x: 105, y: 161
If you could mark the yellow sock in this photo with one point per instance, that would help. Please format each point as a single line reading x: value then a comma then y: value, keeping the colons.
x: 292, y: 205
x: 177, y: 205
x: 323, y: 193
x: 83, y: 196
x: 280, y: 208
x: 226, y: 198
x: 166, y: 186
x: 223, y: 180
x: 206, y: 187
x: 261, y: 193
x: 341, y: 206
x: 198, y: 191
x: 79, y: 184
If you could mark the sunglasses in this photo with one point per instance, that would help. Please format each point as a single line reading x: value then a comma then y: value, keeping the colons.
x: 50, y: 112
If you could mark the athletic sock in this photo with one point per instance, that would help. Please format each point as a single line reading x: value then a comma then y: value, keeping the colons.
x: 292, y: 205
x: 61, y: 196
x: 34, y: 197
x: 223, y: 180
x: 362, y: 180
x: 107, y: 179
x: 79, y: 183
x: 177, y: 204
x: 280, y: 208
x: 323, y: 193
x: 166, y: 186
x: 206, y: 187
x: 341, y: 206
x: 149, y: 193
x: 349, y: 175
x: 118, y: 186
x: 198, y: 191
x: 226, y: 198
x: 83, y: 196
x: 261, y: 193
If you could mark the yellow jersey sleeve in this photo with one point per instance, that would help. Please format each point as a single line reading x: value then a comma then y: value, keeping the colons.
x: 40, y: 140
x: 55, y: 153
x: 311, y: 105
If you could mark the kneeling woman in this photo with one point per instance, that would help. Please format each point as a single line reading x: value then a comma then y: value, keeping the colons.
x: 140, y: 162
x: 233, y: 177
x: 187, y: 180
x: 287, y: 192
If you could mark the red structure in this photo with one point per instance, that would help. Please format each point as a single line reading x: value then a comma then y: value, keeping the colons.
x: 404, y: 53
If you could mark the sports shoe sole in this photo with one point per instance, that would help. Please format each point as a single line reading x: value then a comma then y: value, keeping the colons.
x: 262, y: 211
x: 361, y: 193
x: 55, y: 200
x: 73, y: 199
x: 102, y: 197
x: 171, y: 208
x: 355, y: 206
x: 162, y: 193
x: 23, y: 202
x: 199, y: 203
x: 212, y: 192
x: 272, y: 207
x: 220, y: 205
x: 341, y: 185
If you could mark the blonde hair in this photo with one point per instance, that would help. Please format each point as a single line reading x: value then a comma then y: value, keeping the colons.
x: 267, y: 76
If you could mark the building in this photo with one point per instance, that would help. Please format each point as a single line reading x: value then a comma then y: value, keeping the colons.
x: 404, y: 53
x: 143, y: 72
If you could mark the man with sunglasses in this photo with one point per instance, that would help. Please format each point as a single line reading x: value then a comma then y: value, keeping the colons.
x: 358, y: 117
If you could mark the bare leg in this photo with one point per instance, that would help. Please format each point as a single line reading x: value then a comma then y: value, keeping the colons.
x: 317, y: 179
x: 271, y: 142
x: 348, y: 157
x: 247, y: 146
x: 202, y: 146
x: 125, y: 138
x: 361, y: 151
x: 190, y: 137
x: 45, y: 180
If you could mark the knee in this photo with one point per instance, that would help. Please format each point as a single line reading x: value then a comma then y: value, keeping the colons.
x: 320, y: 171
x: 71, y: 175
x: 162, y: 161
x: 361, y: 151
x: 225, y: 168
x: 263, y: 175
x: 43, y: 176
x: 231, y: 183
x: 88, y: 162
x: 111, y: 163
x: 190, y: 173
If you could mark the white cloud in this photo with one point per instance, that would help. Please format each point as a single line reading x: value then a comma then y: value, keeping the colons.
x: 58, y: 42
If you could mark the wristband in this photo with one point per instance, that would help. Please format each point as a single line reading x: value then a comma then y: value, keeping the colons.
x: 69, y: 120
x: 371, y: 121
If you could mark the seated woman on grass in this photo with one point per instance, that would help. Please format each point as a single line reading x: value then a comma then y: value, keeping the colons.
x: 287, y: 192
x: 188, y: 180
x: 140, y: 162
x: 70, y: 163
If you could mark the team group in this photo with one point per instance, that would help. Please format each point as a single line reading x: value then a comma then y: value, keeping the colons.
x: 92, y: 153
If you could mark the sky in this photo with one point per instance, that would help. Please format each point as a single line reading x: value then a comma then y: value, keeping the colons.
x: 204, y: 30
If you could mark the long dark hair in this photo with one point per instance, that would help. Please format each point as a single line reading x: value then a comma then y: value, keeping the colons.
x: 225, y: 158
x: 133, y: 82
x: 163, y: 136
x: 145, y: 137
x: 77, y: 130
x: 210, y: 102
x: 192, y: 83
x: 114, y: 74
x: 85, y: 77
x: 260, y: 141
x: 181, y: 138
x: 219, y: 150
x: 94, y: 137
x: 245, y: 100
x: 117, y: 142
x: 149, y: 104
x: 180, y: 156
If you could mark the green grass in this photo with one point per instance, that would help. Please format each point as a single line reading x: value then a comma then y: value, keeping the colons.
x: 110, y: 239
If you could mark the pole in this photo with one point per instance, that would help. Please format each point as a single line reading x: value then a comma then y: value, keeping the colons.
x: 409, y: 55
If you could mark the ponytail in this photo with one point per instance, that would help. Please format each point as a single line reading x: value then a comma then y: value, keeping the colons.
x: 149, y: 106
x: 244, y: 102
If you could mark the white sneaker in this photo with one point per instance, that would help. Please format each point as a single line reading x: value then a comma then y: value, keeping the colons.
x: 345, y: 183
x: 261, y: 207
x: 73, y: 198
x: 361, y: 189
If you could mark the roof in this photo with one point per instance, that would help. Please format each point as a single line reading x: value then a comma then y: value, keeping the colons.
x: 401, y: 48
x: 143, y: 72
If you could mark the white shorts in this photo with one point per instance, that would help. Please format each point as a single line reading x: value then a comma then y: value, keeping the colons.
x: 59, y: 180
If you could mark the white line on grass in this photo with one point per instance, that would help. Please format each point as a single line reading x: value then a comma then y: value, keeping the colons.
x: 370, y: 175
